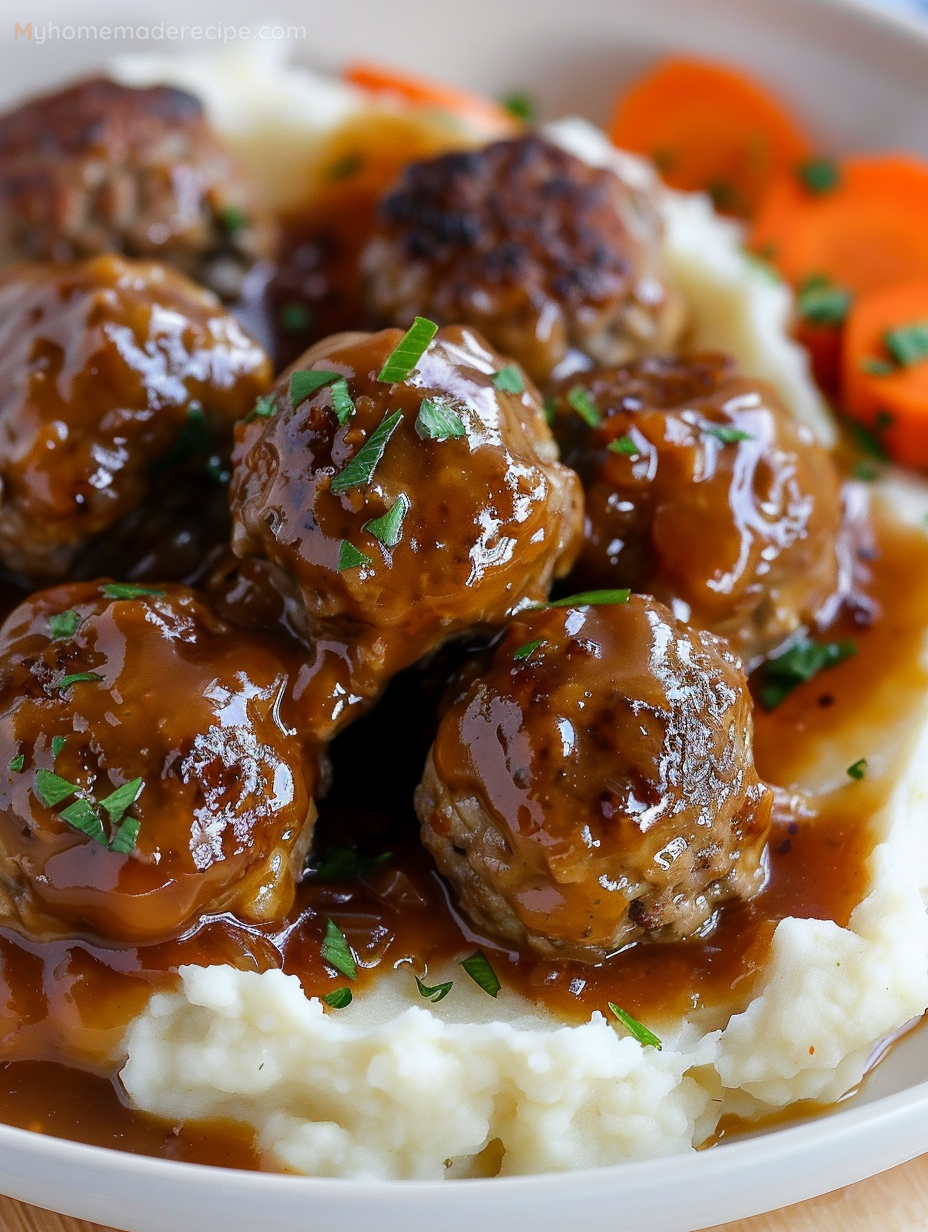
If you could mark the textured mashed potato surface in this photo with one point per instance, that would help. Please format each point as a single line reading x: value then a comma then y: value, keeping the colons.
x: 390, y: 1087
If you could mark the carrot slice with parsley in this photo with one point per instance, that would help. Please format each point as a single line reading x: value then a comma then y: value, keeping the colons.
x: 482, y: 113
x: 859, y: 223
x: 885, y: 368
x: 709, y: 128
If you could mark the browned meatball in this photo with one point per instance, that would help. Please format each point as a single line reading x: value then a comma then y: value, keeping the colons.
x: 436, y: 506
x: 99, y: 167
x: 595, y: 784
x: 112, y: 375
x: 152, y: 694
x: 703, y: 490
x: 533, y: 247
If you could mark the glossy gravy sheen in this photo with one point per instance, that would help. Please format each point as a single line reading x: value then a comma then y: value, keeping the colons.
x: 64, y: 1005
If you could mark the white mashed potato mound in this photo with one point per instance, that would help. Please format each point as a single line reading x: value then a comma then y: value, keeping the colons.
x: 393, y: 1088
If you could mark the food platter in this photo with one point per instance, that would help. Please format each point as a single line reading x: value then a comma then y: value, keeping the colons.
x: 811, y: 52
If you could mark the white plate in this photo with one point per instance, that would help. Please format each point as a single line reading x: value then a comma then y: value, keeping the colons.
x: 860, y: 79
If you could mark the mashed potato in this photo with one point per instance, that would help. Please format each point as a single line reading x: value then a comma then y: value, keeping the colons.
x: 392, y: 1088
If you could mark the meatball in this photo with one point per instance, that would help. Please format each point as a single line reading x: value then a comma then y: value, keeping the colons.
x: 701, y: 489
x: 395, y: 513
x: 533, y: 247
x: 595, y: 784
x: 100, y: 167
x: 151, y: 774
x: 113, y: 375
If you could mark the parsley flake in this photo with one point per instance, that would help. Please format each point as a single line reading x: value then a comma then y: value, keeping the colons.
x: 17, y: 763
x: 82, y: 816
x: 508, y: 380
x: 58, y: 743
x: 858, y: 770
x: 128, y: 590
x: 819, y: 176
x: 338, y: 998
x: 908, y: 344
x: 636, y: 1028
x: 526, y: 651
x: 304, y: 384
x: 64, y: 624
x: 360, y: 469
x: 579, y: 399
x: 345, y: 863
x: 868, y: 442
x: 625, y: 446
x: 799, y: 664
x: 479, y: 969
x: 865, y: 471
x: 350, y: 557
x: 408, y: 351
x: 820, y: 303
x: 519, y: 103
x: 337, y: 952
x: 126, y: 836
x: 118, y: 803
x: 876, y: 367
x: 388, y: 529
x: 434, y: 992
x: 437, y: 421
x: 294, y: 317
x: 192, y: 441
x: 52, y: 788
x: 264, y: 408
x: 342, y: 402
x: 728, y: 435
x: 75, y: 677
x: 590, y: 598
x: 233, y: 219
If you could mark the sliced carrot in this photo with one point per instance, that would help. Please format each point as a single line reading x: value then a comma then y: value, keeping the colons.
x: 886, y: 386
x: 489, y: 117
x: 709, y: 128
x: 868, y: 230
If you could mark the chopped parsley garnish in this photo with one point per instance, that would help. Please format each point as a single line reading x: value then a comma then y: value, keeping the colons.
x: 727, y: 435
x: 869, y: 442
x: 264, y: 408
x: 294, y: 317
x: 126, y: 836
x: 64, y: 624
x: 508, y: 380
x: 550, y: 408
x: 75, y: 677
x: 590, y: 598
x: 434, y: 992
x: 52, y: 789
x: 526, y: 651
x: 17, y: 763
x: 410, y: 349
x: 821, y: 303
x: 338, y: 998
x: 82, y: 816
x: 304, y: 384
x: 360, y: 469
x: 578, y: 397
x: 625, y: 446
x: 437, y: 421
x: 344, y: 863
x: 58, y: 743
x: 636, y: 1028
x: 350, y: 557
x: 877, y: 367
x: 819, y: 176
x: 479, y: 969
x: 128, y: 590
x: 865, y: 471
x: 192, y: 441
x: 233, y: 219
x: 342, y: 402
x: 118, y: 803
x: 908, y: 344
x: 858, y: 770
x: 801, y: 663
x: 520, y: 104
x: 388, y: 529
x: 337, y: 952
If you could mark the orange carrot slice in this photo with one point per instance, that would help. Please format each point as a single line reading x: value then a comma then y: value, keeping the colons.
x: 709, y: 128
x: 864, y: 227
x: 484, y: 114
x: 885, y: 368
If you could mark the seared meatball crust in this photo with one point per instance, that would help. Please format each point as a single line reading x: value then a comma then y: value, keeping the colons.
x: 539, y: 251
x: 104, y: 686
x: 114, y: 375
x: 480, y: 514
x: 701, y: 489
x: 101, y: 167
x: 593, y: 784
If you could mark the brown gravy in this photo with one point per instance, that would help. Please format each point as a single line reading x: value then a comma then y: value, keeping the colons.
x: 64, y: 1005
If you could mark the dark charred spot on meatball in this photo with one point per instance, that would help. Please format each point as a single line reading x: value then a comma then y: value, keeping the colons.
x: 538, y: 250
x: 702, y: 490
x: 582, y: 802
x: 101, y: 167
